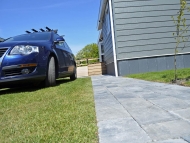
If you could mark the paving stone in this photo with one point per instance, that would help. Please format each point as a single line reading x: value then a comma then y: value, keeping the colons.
x: 172, y: 141
x: 103, y: 96
x: 150, y: 96
x: 157, y: 84
x: 144, y: 92
x: 111, y: 86
x: 117, y: 91
x: 150, y: 115
x: 187, y: 101
x: 170, y: 103
x: 167, y: 92
x: 186, y: 138
x: 133, y: 103
x: 107, y: 103
x: 126, y: 137
x: 111, y: 113
x: 134, y: 88
x: 121, y: 130
x: 183, y: 96
x: 167, y: 130
x: 96, y: 83
x: 125, y: 85
x: 125, y: 95
x: 180, y: 88
x: 99, y: 90
x: 185, y: 113
x: 152, y: 88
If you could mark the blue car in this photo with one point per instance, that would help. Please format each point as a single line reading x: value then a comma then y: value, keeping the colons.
x: 37, y: 58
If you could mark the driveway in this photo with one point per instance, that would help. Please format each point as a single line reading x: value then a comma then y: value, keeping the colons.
x: 136, y: 111
x: 82, y: 71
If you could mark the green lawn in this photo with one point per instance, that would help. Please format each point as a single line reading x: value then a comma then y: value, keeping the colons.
x: 164, y: 76
x: 64, y: 113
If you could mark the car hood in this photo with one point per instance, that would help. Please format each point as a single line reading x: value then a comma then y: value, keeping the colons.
x: 32, y: 43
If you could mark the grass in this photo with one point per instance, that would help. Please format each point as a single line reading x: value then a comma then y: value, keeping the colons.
x: 164, y: 76
x: 64, y: 113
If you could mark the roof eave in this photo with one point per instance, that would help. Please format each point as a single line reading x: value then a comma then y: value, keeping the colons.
x: 101, y: 14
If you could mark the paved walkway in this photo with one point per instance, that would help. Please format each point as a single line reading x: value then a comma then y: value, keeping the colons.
x: 136, y: 111
x: 82, y: 71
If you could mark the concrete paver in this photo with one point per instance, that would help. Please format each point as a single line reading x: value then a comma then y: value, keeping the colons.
x: 137, y: 111
x: 121, y: 130
x: 172, y: 141
x: 185, y: 113
x: 131, y: 103
x: 170, y: 103
x: 186, y: 138
x: 167, y: 130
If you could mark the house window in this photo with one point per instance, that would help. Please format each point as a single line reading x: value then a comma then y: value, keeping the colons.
x: 102, y: 49
x: 107, y: 19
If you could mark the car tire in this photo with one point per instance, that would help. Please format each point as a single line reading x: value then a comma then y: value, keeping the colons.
x: 51, y: 73
x: 74, y: 75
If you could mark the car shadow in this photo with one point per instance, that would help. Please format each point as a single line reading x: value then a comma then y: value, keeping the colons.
x: 29, y: 88
x: 62, y: 80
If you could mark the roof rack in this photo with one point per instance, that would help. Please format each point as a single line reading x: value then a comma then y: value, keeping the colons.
x: 42, y: 30
x: 28, y: 32
x: 34, y: 30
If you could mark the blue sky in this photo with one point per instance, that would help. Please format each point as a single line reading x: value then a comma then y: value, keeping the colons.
x: 76, y: 19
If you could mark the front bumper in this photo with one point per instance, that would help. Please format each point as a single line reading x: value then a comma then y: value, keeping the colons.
x: 21, y: 81
x: 12, y: 75
x: 37, y: 75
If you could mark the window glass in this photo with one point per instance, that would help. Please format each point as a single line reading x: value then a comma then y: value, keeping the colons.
x: 66, y: 46
x: 55, y: 36
x: 102, y: 49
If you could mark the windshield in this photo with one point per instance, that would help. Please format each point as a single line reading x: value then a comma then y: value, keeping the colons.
x: 31, y: 37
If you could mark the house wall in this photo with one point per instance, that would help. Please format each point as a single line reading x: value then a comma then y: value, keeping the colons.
x: 108, y: 49
x: 144, y: 39
x: 100, y: 52
x: 151, y: 64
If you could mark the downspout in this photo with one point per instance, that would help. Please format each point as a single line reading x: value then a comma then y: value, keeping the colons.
x: 113, y: 38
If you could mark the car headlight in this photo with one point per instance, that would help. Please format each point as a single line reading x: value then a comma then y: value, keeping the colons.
x: 24, y: 49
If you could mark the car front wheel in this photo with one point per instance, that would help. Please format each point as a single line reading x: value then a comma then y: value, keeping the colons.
x: 50, y: 76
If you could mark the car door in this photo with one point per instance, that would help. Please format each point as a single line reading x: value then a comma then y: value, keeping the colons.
x: 63, y: 69
x: 70, y: 59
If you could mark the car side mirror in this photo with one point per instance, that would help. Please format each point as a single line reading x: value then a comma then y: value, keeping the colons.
x: 59, y: 39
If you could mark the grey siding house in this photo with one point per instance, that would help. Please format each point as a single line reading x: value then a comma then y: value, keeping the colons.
x: 137, y: 36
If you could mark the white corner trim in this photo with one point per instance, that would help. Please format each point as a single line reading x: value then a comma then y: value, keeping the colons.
x: 113, y: 38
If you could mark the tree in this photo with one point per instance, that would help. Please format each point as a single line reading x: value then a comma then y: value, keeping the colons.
x: 181, y: 30
x: 89, y: 51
